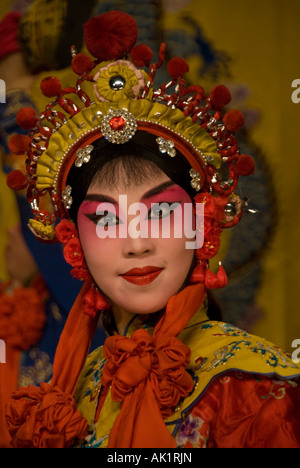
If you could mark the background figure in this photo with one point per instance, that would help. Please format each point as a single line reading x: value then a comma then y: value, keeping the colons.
x: 34, y: 302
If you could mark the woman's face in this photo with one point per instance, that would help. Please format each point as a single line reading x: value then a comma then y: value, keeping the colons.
x: 135, y: 259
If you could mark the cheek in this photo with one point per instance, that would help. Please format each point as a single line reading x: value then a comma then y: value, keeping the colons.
x: 86, y: 229
x: 91, y: 244
x: 178, y: 258
x: 100, y: 254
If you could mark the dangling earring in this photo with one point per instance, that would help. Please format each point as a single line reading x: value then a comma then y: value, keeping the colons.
x: 94, y: 301
x: 202, y: 274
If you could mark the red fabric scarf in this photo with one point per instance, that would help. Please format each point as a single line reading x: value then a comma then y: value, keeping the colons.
x: 148, y: 375
x: 47, y: 416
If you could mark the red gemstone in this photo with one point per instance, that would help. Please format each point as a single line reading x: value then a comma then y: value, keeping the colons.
x: 117, y: 123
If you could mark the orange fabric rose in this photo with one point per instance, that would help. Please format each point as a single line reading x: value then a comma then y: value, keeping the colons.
x: 131, y: 361
x: 73, y: 253
x: 67, y: 234
x: 22, y: 317
x: 65, y: 231
x: 44, y: 417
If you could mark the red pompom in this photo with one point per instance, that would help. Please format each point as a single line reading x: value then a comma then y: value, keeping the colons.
x: 111, y: 35
x: 233, y: 120
x: 220, y: 96
x: 17, y: 180
x: 141, y: 55
x: 51, y: 86
x: 19, y: 144
x: 177, y: 67
x: 81, y: 64
x: 245, y: 165
x: 27, y: 118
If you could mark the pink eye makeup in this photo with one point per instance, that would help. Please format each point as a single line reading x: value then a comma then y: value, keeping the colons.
x: 153, y: 206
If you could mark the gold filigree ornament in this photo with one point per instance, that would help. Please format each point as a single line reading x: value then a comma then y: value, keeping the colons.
x: 113, y: 97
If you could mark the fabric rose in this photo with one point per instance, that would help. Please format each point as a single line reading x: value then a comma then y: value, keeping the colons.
x: 22, y: 317
x: 65, y: 231
x: 130, y: 361
x: 44, y: 417
x: 67, y: 234
x: 134, y: 81
x: 73, y: 253
x: 213, y: 215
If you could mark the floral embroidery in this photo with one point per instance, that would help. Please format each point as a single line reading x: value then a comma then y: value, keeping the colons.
x: 92, y: 442
x: 189, y: 432
x: 94, y: 375
x: 278, y: 389
x: 274, y: 356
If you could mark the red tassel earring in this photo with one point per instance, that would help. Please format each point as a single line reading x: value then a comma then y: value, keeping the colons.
x: 202, y: 274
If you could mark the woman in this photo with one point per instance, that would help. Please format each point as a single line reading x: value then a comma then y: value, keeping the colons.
x: 137, y: 160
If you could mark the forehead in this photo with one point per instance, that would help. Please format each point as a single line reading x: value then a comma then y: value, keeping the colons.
x: 122, y: 176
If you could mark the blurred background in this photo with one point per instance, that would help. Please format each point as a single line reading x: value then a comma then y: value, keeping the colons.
x: 253, y: 48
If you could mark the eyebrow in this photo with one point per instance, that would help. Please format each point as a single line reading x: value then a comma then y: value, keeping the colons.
x: 100, y: 198
x: 105, y: 198
x: 160, y: 188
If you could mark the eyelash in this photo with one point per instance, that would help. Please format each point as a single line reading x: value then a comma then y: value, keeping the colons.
x: 96, y: 219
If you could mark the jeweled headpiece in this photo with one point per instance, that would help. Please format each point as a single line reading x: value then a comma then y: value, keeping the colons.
x: 113, y: 98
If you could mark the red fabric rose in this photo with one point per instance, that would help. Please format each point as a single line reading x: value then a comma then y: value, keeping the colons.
x: 210, y: 246
x: 213, y: 214
x: 73, y: 253
x: 22, y: 317
x: 161, y: 365
x: 67, y: 234
x: 65, y: 231
x: 44, y: 417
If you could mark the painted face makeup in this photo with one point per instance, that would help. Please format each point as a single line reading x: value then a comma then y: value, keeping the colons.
x: 139, y: 274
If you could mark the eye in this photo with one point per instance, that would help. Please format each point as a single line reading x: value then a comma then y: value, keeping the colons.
x: 162, y: 210
x: 104, y: 220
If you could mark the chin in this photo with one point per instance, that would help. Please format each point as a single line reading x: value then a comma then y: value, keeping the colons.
x: 144, y: 307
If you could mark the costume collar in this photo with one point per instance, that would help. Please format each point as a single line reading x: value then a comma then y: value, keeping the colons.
x: 148, y: 323
x: 216, y: 348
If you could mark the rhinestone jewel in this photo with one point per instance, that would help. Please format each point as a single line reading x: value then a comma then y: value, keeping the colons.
x: 118, y: 126
x: 67, y: 198
x: 83, y: 155
x: 166, y: 146
x: 117, y: 123
x: 196, y: 180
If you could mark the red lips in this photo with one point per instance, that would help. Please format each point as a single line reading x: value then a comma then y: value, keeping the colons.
x: 142, y: 276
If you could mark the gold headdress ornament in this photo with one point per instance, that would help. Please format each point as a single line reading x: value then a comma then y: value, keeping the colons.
x: 113, y: 98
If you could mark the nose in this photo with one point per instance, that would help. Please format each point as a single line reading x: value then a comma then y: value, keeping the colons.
x: 138, y: 247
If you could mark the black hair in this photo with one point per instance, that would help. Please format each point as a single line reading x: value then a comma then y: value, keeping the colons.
x: 141, y: 160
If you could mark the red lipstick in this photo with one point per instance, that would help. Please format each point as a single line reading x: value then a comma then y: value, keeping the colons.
x: 142, y: 276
